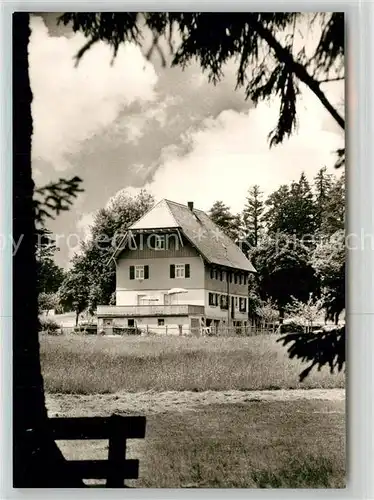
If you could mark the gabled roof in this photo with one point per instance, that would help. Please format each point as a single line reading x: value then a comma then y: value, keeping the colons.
x: 159, y: 216
x: 210, y: 241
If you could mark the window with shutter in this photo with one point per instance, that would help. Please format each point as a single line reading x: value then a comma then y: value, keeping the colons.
x: 132, y: 272
x: 236, y: 278
x: 180, y: 270
x: 216, y: 299
x: 139, y: 272
x: 210, y: 299
x: 211, y: 273
x: 186, y: 270
x: 220, y: 275
x: 146, y: 272
x: 172, y: 271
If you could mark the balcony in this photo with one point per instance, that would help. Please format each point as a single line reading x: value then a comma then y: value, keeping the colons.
x: 149, y: 310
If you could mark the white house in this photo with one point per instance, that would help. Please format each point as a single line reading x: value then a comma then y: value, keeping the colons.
x: 177, y: 272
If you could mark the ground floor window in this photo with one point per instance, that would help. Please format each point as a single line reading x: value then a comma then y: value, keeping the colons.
x: 131, y: 323
x: 160, y: 322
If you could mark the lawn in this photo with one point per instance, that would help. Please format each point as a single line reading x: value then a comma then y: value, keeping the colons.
x: 261, y: 444
x: 99, y: 365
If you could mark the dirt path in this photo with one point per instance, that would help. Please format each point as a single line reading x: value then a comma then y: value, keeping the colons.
x: 152, y: 402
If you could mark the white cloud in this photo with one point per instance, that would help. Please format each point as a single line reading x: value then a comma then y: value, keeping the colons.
x: 72, y: 104
x: 230, y: 153
x: 133, y: 126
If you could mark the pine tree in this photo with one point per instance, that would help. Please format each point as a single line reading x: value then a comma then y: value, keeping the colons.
x: 252, y: 215
x: 276, y: 215
x: 322, y: 187
x: 303, y: 210
x: 224, y: 219
x: 334, y: 218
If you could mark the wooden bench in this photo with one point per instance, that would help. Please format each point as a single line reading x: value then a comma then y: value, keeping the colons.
x: 117, y: 430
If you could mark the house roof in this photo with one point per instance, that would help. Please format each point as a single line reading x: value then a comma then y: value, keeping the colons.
x: 210, y: 241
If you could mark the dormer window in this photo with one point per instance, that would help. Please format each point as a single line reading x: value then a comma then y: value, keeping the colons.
x: 160, y: 242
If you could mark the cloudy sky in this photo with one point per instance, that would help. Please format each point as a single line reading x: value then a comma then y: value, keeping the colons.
x: 135, y: 124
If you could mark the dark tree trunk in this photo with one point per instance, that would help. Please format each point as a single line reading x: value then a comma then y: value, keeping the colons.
x: 76, y: 318
x: 37, y: 461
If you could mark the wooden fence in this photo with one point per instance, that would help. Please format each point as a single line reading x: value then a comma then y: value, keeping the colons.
x: 117, y: 430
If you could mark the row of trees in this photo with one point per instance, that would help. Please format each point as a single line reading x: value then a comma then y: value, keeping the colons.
x: 295, y: 239
x: 298, y: 209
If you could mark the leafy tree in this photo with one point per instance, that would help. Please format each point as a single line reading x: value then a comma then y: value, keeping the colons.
x: 283, y: 270
x: 305, y: 313
x: 254, y: 299
x: 74, y: 291
x: 48, y: 301
x: 268, y: 312
x: 252, y: 215
x: 49, y: 277
x: 291, y: 209
x: 328, y: 261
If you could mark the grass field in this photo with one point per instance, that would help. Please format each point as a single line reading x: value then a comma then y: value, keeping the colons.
x: 90, y: 365
x: 297, y: 444
x: 191, y: 439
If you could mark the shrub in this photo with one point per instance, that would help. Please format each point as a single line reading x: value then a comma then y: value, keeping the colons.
x: 86, y: 329
x: 292, y: 327
x: 126, y: 331
x: 49, y: 326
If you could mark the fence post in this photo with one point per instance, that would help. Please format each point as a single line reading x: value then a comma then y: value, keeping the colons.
x: 116, y: 454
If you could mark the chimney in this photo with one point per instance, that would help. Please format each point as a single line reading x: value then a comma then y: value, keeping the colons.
x: 190, y: 205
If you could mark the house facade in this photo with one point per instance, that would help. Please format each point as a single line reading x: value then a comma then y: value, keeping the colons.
x: 177, y: 273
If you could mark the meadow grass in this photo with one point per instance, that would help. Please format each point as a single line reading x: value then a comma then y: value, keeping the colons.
x: 98, y: 365
x: 267, y: 444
